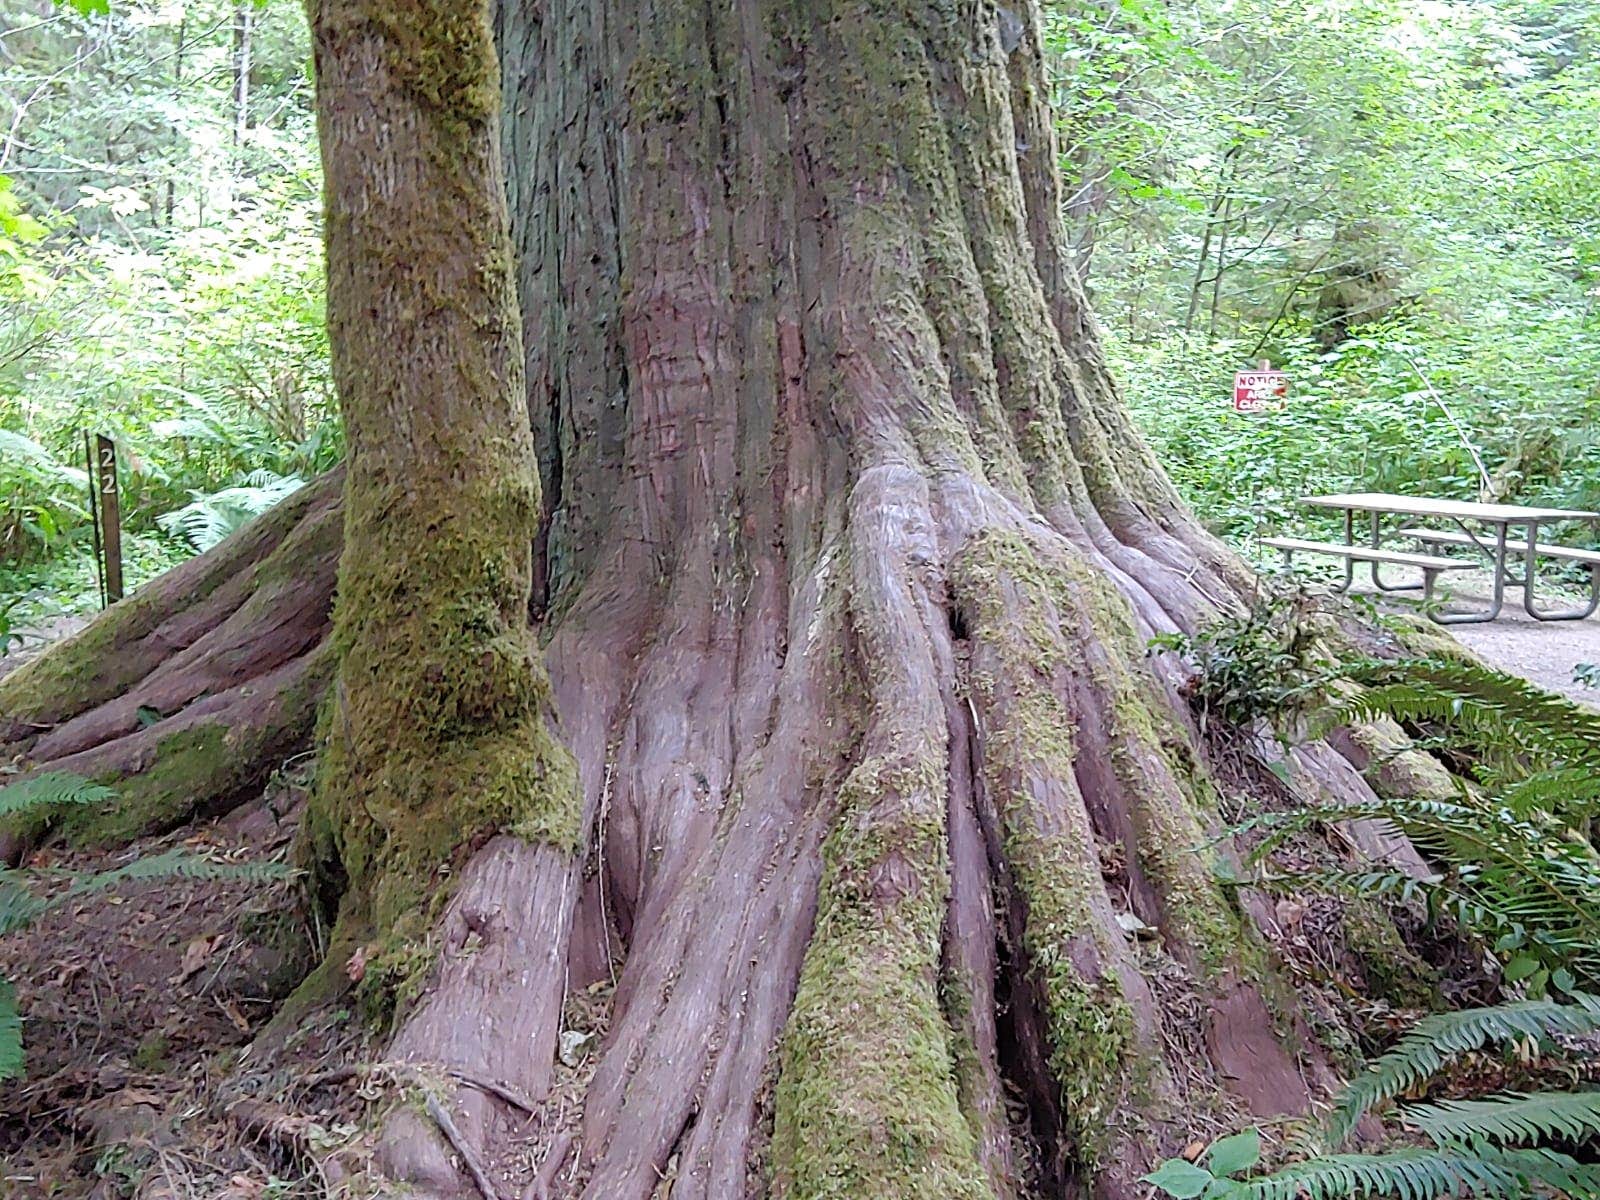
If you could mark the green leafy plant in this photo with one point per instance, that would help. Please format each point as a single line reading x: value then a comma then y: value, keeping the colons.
x: 1513, y: 850
x: 10, y: 635
x: 1515, y: 864
x: 40, y: 498
x: 210, y: 517
x: 1263, y: 664
x: 1492, y: 1146
x: 1213, y: 1174
x: 22, y: 903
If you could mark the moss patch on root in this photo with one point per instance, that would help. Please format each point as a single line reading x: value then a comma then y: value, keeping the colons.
x: 200, y: 766
x: 188, y: 766
x: 1393, y: 971
x: 866, y: 1101
x: 1006, y: 594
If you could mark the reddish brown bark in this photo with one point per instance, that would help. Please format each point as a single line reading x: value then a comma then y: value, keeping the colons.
x: 848, y: 560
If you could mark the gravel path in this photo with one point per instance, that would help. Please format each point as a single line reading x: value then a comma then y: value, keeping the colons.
x: 1542, y: 651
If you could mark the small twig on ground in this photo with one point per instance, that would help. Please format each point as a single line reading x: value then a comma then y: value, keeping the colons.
x: 447, y: 1126
x: 560, y: 1147
x: 418, y: 1073
x: 494, y: 1088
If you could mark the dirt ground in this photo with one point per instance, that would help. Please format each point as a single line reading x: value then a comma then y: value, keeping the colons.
x: 1544, y: 652
x: 137, y: 1002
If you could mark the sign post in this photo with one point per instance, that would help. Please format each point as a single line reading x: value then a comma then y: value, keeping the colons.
x: 1260, y: 390
x: 110, y: 505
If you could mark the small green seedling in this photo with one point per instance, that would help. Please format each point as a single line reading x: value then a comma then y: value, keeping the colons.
x: 1213, y: 1177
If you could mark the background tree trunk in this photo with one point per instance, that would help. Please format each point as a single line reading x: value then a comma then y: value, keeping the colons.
x: 848, y: 561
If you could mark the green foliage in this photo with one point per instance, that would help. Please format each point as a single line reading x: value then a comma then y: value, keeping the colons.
x: 1510, y: 1119
x: 1514, y: 863
x: 1517, y: 731
x: 207, y: 519
x: 1486, y: 1147
x: 49, y: 790
x: 1529, y: 892
x: 1414, y: 1174
x: 11, y: 1060
x: 41, y: 499
x: 1182, y: 1179
x: 1394, y: 202
x: 1424, y: 1174
x: 1512, y: 848
x: 21, y: 903
x: 1264, y: 664
x: 161, y: 275
x: 9, y: 634
x: 1441, y: 1038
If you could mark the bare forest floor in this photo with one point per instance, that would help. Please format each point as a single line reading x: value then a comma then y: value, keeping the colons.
x: 138, y: 1003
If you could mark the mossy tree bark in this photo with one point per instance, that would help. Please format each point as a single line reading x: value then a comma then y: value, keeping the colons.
x: 438, y: 734
x: 845, y: 562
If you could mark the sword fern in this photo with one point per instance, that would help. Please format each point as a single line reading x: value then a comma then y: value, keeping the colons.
x: 21, y: 903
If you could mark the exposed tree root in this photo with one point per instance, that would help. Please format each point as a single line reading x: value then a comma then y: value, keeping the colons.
x: 194, y: 688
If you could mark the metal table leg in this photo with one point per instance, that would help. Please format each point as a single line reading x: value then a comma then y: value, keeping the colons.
x: 1376, y: 541
x: 1349, y: 563
x: 1498, y: 595
x: 1530, y: 558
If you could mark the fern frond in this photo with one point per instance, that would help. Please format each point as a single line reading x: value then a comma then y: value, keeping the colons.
x: 209, y: 518
x: 10, y: 1032
x: 1504, y: 710
x: 176, y: 863
x: 1408, y: 1174
x: 1556, y: 1171
x: 1504, y: 875
x: 1571, y: 792
x: 1508, y: 1120
x: 44, y: 464
x: 49, y: 789
x: 1437, y: 1039
x: 19, y: 907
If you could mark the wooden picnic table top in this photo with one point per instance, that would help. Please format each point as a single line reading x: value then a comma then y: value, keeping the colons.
x: 1423, y: 506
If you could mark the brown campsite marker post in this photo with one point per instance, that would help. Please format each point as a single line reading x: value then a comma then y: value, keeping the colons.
x: 110, y: 514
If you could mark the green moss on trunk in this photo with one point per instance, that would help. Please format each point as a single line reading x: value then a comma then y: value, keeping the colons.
x: 438, y: 734
x: 866, y: 1102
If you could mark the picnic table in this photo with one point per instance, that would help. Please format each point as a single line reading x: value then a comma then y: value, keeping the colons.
x: 1484, y: 528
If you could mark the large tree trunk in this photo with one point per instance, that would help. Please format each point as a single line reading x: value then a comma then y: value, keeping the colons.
x: 848, y: 560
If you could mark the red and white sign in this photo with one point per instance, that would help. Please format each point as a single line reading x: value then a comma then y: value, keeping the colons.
x: 1258, y: 391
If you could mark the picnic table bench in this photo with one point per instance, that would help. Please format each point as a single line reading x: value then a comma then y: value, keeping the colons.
x: 1429, y: 564
x: 1490, y: 538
